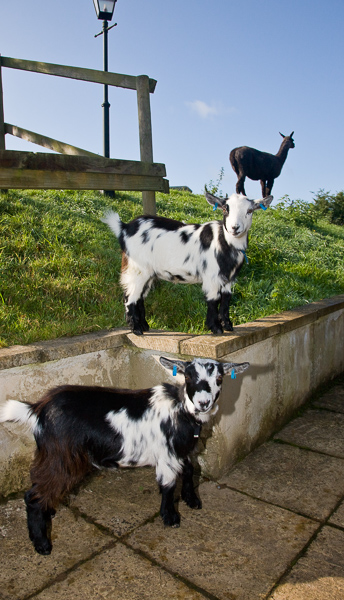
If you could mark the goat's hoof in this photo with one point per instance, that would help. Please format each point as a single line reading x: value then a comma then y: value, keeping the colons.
x: 192, y: 501
x: 228, y: 326
x: 137, y: 331
x: 217, y: 330
x: 171, y: 520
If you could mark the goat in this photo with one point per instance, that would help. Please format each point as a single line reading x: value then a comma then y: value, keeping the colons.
x: 77, y: 427
x: 161, y: 248
x: 254, y: 164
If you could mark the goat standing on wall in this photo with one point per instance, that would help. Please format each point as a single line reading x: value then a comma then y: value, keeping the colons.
x: 257, y: 165
x: 211, y: 254
x: 79, y: 427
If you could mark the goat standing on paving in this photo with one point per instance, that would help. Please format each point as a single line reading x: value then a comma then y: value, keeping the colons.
x: 77, y: 427
x: 257, y: 165
x: 211, y: 254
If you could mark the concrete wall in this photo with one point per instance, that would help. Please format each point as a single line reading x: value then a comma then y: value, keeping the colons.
x: 291, y: 354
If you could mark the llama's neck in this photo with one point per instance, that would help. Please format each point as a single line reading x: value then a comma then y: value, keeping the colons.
x: 283, y: 152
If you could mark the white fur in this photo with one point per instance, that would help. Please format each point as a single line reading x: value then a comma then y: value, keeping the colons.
x: 20, y: 412
x: 144, y: 443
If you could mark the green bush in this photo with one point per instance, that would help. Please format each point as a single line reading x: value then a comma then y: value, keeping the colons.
x: 330, y: 206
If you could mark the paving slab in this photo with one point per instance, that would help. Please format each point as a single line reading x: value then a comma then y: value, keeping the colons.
x: 338, y: 516
x: 319, y: 574
x: 300, y: 480
x: 236, y: 547
x: 332, y: 400
x: 23, y: 571
x: 119, y: 500
x: 318, y: 430
x: 119, y: 574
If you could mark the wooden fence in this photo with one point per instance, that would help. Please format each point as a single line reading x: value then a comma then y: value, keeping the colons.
x: 81, y: 169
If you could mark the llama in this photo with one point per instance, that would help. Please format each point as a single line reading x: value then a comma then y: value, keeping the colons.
x: 80, y: 427
x: 211, y: 254
x: 251, y: 163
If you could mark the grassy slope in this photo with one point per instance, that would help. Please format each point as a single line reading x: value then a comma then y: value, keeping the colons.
x: 59, y: 266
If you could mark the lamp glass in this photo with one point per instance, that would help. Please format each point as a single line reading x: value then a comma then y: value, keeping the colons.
x: 104, y: 9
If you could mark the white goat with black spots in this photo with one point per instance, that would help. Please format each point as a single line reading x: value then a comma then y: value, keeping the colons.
x: 211, y: 254
x: 79, y: 427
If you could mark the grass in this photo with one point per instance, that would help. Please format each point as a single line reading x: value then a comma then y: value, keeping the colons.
x: 59, y: 265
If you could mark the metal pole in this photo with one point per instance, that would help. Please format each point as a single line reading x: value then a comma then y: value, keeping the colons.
x: 106, y: 105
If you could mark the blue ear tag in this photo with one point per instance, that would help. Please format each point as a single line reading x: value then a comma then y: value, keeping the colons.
x: 174, y: 372
x: 215, y: 206
x: 233, y: 374
x: 263, y: 207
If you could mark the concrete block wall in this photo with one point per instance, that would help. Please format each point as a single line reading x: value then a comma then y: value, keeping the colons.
x: 291, y: 354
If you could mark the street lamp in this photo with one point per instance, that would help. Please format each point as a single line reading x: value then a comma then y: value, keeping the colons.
x: 104, y: 11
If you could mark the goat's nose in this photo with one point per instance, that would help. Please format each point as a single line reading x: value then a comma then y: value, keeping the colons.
x: 204, y: 404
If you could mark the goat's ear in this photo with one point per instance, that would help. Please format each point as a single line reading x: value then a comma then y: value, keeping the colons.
x: 236, y: 367
x: 214, y: 200
x: 263, y: 203
x: 170, y: 364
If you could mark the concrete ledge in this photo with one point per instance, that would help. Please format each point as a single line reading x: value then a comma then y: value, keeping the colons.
x: 291, y: 354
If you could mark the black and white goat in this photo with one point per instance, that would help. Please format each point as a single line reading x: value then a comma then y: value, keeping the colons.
x: 211, y: 254
x: 257, y: 165
x: 77, y: 427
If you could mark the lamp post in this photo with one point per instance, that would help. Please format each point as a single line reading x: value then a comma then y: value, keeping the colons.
x: 104, y: 11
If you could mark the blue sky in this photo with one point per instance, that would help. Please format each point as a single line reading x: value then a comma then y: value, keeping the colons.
x: 229, y: 74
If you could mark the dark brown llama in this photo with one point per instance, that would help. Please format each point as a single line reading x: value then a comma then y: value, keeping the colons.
x: 256, y: 165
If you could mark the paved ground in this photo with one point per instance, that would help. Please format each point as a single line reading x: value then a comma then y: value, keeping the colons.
x: 272, y: 529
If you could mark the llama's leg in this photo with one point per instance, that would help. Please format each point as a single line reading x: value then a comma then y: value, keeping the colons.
x: 167, y: 509
x: 224, y: 310
x: 240, y: 185
x: 39, y: 523
x: 268, y: 187
x: 188, y: 491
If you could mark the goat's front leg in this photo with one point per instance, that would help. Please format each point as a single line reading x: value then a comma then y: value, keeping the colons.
x: 39, y: 523
x: 224, y: 311
x: 188, y: 490
x: 212, y: 319
x: 167, y: 509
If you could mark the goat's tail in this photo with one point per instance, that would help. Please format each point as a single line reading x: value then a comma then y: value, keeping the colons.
x: 20, y: 412
x: 113, y: 220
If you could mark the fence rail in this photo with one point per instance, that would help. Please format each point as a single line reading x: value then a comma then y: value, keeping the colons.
x: 22, y: 170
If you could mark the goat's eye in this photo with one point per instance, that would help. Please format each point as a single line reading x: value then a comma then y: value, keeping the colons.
x: 219, y: 379
x: 187, y: 379
x: 250, y: 211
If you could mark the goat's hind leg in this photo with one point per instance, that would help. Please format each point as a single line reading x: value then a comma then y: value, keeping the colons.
x: 38, y: 522
x: 188, y: 489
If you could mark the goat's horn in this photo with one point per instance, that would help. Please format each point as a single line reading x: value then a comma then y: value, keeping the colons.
x: 292, y: 133
x: 283, y: 136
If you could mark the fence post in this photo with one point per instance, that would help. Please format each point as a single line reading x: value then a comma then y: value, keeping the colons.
x: 2, y: 119
x: 145, y: 132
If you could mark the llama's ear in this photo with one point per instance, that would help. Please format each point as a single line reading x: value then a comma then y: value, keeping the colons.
x: 283, y: 136
x: 214, y: 200
x: 263, y: 203
x: 291, y: 135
